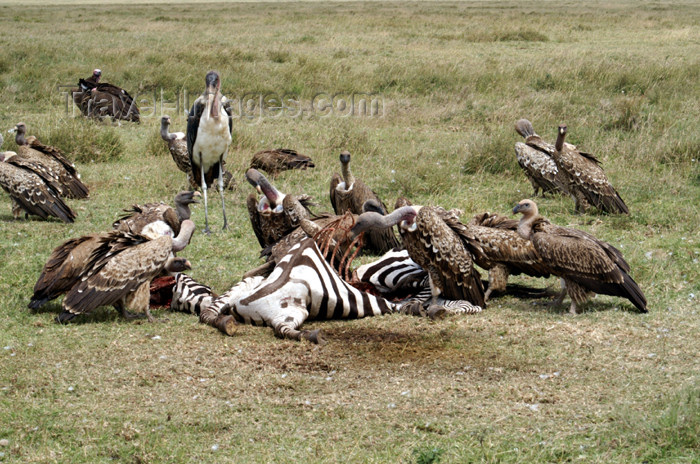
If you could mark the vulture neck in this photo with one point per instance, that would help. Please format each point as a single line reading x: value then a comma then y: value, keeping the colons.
x: 274, y: 197
x: 186, y: 230
x: 19, y: 137
x: 560, y: 140
x: 347, y: 175
x: 165, y: 135
x: 525, y: 224
x: 371, y: 220
x: 182, y: 210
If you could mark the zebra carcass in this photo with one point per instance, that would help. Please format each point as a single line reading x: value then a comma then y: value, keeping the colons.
x: 302, y: 286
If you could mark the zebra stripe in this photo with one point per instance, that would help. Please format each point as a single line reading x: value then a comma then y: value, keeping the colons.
x: 395, y: 271
x: 302, y: 286
x: 190, y: 296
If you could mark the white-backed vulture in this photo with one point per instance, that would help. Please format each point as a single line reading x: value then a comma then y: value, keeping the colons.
x: 280, y: 159
x: 49, y: 163
x: 587, y: 182
x: 141, y: 215
x: 584, y: 263
x: 100, y: 100
x: 120, y: 269
x: 209, y: 127
x: 177, y: 144
x: 267, y: 216
x: 348, y: 193
x: 30, y: 193
x: 535, y: 158
x: 433, y: 241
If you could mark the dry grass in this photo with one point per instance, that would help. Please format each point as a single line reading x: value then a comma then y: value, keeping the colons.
x: 520, y: 382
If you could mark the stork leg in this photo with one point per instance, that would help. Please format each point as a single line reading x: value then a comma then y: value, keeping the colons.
x: 221, y: 191
x: 204, y: 191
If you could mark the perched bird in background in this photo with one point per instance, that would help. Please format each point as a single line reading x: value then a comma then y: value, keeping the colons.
x: 49, y: 163
x: 584, y: 263
x: 350, y: 194
x: 30, y: 193
x: 177, y: 144
x: 100, y: 100
x: 120, y: 269
x: 280, y: 159
x: 209, y: 127
x: 535, y: 158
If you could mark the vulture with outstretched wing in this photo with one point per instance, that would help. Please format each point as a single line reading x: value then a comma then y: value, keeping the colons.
x: 120, y: 269
x: 584, y: 263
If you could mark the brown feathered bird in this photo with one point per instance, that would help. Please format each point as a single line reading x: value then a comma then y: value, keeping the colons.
x: 30, y: 193
x: 433, y: 241
x: 266, y: 213
x: 280, y: 159
x: 350, y: 194
x: 139, y: 216
x: 587, y: 182
x: 535, y: 158
x: 120, y: 269
x: 497, y: 247
x: 177, y: 145
x: 48, y: 162
x: 584, y: 263
x: 100, y: 100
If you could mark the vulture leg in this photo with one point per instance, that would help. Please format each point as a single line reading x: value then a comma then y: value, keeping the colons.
x: 498, y: 279
x: 119, y: 306
x: 204, y: 191
x: 435, y: 311
x: 221, y: 191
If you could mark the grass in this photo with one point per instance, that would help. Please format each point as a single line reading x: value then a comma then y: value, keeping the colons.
x: 518, y: 383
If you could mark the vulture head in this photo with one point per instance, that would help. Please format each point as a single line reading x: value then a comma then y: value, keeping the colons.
x: 213, y: 84
x: 176, y: 264
x: 183, y: 200
x: 527, y: 208
x: 561, y: 135
x: 272, y: 198
x: 373, y: 205
x: 97, y: 73
x: 344, y: 157
x: 164, y: 125
x: 20, y: 130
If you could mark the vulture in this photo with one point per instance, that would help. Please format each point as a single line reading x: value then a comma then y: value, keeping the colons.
x: 535, y: 158
x: 433, y: 241
x: 267, y: 216
x: 120, y: 269
x: 496, y: 246
x: 49, y: 163
x: 349, y: 194
x: 30, y: 193
x: 584, y: 263
x: 99, y: 100
x: 280, y: 159
x: 141, y: 215
x: 63, y: 268
x: 209, y: 127
x: 586, y: 180
x: 177, y: 144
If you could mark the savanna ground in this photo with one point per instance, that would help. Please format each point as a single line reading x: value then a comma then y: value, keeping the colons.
x: 520, y: 382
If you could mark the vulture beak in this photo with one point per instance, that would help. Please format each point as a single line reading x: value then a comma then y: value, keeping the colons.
x: 196, y: 196
x: 516, y: 209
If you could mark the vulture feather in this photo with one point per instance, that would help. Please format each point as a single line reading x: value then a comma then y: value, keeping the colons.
x: 209, y: 127
x: 496, y: 246
x: 349, y: 194
x: 49, y: 163
x: 280, y: 159
x: 584, y: 263
x: 120, y: 269
x: 141, y: 215
x: 177, y: 144
x: 30, y: 192
x: 535, y: 158
x: 434, y: 242
x: 101, y: 100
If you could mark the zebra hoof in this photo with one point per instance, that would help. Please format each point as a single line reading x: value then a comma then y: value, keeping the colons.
x: 314, y: 336
x: 226, y: 324
x: 437, y: 312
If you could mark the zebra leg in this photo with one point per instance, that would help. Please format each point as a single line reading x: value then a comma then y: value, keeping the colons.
x: 287, y: 325
x: 212, y: 316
